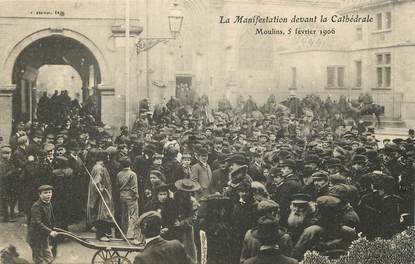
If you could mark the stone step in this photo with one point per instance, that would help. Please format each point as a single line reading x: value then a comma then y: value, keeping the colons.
x: 388, y: 123
x: 393, y: 124
x: 393, y: 131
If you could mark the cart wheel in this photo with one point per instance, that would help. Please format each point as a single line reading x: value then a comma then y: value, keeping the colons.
x: 102, y: 256
x: 118, y: 260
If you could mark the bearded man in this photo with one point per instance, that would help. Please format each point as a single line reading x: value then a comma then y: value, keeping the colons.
x: 301, y: 213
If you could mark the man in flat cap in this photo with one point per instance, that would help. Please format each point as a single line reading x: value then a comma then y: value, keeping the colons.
x: 41, y: 223
x: 157, y: 250
x: 301, y: 214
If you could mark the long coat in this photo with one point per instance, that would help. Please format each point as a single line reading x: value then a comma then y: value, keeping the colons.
x: 96, y: 209
x: 63, y: 197
x: 203, y: 175
x: 7, y: 173
x: 160, y: 251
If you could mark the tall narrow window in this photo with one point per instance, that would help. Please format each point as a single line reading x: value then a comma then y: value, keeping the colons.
x: 340, y: 77
x: 383, y: 70
x: 335, y: 76
x: 331, y: 75
x: 388, y: 20
x: 293, y: 77
x: 379, y: 21
x: 358, y: 66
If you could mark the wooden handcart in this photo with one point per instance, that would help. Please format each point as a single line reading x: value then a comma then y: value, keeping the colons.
x: 115, y: 251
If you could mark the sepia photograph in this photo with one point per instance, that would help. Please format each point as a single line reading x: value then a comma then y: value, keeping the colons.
x: 207, y: 131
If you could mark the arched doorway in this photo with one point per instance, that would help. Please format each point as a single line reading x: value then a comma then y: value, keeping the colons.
x: 52, y: 50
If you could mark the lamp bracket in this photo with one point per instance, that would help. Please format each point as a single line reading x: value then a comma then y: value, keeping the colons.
x: 144, y: 44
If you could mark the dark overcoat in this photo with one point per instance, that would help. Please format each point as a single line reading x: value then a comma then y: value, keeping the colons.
x: 160, y: 251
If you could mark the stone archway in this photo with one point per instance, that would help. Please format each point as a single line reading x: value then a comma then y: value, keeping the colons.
x: 7, y: 73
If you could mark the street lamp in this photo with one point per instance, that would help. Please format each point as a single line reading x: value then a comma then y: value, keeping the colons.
x: 175, y: 24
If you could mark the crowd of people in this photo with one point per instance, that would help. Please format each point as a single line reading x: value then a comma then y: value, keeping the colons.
x: 261, y: 183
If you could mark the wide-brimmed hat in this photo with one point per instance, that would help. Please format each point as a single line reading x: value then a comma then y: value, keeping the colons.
x: 187, y: 185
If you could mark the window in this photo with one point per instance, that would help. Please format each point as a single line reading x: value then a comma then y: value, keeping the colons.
x: 331, y: 76
x: 379, y: 21
x: 358, y: 66
x: 383, y: 70
x: 340, y: 77
x: 293, y: 77
x: 384, y: 21
x: 388, y: 20
x: 359, y: 33
x: 335, y: 76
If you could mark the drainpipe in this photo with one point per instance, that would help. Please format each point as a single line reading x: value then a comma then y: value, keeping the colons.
x: 127, y: 62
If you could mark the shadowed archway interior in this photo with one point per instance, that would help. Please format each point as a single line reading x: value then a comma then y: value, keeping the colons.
x: 52, y: 50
